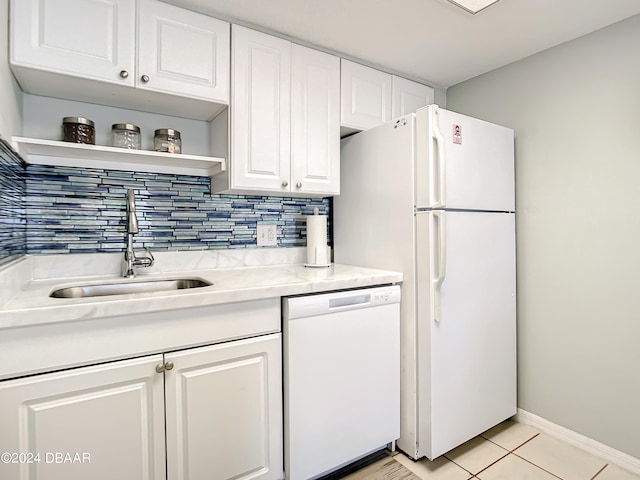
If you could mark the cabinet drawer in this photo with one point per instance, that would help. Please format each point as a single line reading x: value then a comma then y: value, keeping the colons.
x: 47, y: 347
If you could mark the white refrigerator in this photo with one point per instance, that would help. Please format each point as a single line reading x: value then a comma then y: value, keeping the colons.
x: 431, y: 194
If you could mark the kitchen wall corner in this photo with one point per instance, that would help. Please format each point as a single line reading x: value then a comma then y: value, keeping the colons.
x: 13, y: 238
x: 11, y: 111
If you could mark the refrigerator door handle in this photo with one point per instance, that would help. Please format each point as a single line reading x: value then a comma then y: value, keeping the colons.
x: 437, y: 175
x: 439, y: 259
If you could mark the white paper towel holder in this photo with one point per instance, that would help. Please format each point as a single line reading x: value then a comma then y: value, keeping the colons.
x: 314, y: 251
x: 315, y: 265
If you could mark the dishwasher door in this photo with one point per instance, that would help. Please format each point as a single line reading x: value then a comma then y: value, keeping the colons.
x: 341, y: 378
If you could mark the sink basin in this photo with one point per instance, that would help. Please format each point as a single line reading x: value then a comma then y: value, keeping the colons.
x: 126, y: 287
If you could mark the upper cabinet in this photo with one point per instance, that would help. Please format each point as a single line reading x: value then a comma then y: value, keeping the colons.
x: 366, y: 97
x: 260, y: 111
x: 370, y: 97
x: 277, y: 131
x: 86, y: 50
x: 91, y: 39
x: 182, y: 53
x: 315, y: 121
x: 285, y: 123
x: 408, y: 96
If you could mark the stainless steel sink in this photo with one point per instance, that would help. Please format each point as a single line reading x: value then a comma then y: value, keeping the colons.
x: 123, y: 288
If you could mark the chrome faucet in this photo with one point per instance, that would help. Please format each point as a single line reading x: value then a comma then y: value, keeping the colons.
x: 130, y: 260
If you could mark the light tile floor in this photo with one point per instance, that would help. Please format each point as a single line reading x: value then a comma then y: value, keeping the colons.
x: 514, y: 451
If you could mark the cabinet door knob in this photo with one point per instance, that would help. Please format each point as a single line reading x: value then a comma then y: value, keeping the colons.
x: 285, y: 183
x: 164, y: 367
x: 299, y: 185
x: 144, y: 78
x: 124, y: 74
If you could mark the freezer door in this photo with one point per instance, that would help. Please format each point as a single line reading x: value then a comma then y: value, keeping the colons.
x: 463, y: 163
x: 466, y: 326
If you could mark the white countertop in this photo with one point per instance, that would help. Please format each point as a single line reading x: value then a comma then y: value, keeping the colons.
x: 242, y: 278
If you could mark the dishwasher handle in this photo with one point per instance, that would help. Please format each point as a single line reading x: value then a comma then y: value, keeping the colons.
x: 356, y: 300
x: 328, y: 303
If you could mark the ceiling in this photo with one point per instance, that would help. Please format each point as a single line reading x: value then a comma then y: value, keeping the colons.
x: 428, y: 40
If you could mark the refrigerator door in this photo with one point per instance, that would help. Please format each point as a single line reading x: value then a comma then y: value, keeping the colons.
x: 463, y: 163
x: 466, y: 326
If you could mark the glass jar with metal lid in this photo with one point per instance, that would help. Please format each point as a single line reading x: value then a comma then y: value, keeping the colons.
x: 167, y: 140
x: 78, y: 130
x: 125, y: 135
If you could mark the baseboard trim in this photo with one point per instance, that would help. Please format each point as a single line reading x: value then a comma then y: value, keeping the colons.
x: 577, y: 440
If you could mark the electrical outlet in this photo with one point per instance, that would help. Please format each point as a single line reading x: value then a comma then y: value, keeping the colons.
x: 266, y: 235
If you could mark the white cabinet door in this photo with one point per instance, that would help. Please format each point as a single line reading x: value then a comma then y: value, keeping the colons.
x: 182, y: 52
x: 108, y: 419
x: 366, y: 96
x: 90, y: 38
x: 285, y: 120
x: 261, y: 115
x: 315, y: 121
x: 224, y: 411
x: 409, y: 96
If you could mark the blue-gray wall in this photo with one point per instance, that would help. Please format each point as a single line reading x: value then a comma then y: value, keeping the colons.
x: 576, y: 112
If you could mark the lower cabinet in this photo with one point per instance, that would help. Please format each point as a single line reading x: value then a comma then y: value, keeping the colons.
x: 211, y: 412
x: 110, y: 418
x: 224, y: 411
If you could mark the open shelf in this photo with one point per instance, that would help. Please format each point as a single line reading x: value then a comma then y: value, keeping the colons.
x: 51, y: 152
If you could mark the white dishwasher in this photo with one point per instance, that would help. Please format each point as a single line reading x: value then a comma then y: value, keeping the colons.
x: 341, y: 378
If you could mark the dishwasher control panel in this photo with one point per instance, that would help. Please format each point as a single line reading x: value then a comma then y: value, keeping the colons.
x: 382, y: 297
x: 307, y: 305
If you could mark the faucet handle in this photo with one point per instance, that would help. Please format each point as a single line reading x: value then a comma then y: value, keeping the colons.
x: 144, y: 261
x: 148, y: 261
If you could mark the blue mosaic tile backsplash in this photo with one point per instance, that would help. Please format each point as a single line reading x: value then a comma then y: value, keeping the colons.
x: 77, y: 210
x: 12, y: 215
